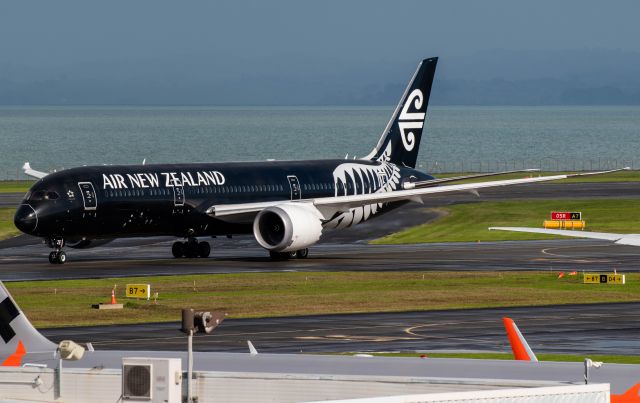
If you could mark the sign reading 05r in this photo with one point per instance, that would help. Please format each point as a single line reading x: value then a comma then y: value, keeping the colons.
x: 566, y: 215
x: 138, y: 291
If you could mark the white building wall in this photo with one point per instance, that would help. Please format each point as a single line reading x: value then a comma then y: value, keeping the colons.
x: 104, y: 385
x: 595, y: 393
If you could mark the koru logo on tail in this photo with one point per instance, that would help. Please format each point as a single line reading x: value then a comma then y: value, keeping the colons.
x: 409, y: 121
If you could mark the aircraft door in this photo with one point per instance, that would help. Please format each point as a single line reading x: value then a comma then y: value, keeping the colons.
x: 178, y: 196
x: 89, y: 196
x: 296, y: 194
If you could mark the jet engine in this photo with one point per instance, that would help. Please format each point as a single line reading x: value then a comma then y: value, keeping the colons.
x: 287, y: 227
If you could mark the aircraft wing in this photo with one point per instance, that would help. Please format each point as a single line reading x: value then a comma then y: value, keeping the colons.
x: 622, y: 239
x: 433, y: 182
x: 26, y: 168
x: 329, y: 206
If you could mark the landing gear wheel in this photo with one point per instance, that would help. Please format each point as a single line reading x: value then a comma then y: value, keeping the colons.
x: 177, y: 250
x: 57, y: 257
x: 62, y: 257
x: 302, y: 253
x: 204, y: 249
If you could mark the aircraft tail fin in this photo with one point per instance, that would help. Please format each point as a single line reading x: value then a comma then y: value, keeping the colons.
x: 400, y: 140
x: 17, y: 335
x: 520, y: 347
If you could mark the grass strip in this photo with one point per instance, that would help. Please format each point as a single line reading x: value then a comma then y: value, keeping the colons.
x: 245, y: 295
x: 7, y: 229
x: 15, y: 186
x: 470, y: 222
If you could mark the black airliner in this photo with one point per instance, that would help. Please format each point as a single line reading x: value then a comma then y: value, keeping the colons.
x: 286, y: 204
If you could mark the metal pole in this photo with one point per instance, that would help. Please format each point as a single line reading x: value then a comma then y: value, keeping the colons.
x: 586, y: 371
x: 59, y: 379
x: 189, y: 366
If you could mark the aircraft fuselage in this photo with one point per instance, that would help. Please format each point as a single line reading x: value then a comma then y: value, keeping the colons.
x: 148, y: 200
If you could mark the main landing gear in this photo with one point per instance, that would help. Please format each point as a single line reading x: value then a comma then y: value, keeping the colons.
x: 299, y: 254
x: 57, y: 256
x: 191, y: 248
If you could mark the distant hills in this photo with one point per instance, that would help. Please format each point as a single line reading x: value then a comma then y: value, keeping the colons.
x: 499, y: 77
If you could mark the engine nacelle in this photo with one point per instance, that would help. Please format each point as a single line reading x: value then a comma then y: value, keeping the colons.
x: 287, y: 227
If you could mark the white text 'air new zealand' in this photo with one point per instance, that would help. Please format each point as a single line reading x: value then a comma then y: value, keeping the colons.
x: 287, y: 205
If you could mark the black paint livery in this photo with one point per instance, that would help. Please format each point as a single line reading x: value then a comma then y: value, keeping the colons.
x: 286, y: 204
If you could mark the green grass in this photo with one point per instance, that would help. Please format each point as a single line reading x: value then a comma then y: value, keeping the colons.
x: 622, y: 176
x: 469, y: 222
x: 68, y: 302
x: 611, y: 359
x: 7, y: 229
x: 15, y: 186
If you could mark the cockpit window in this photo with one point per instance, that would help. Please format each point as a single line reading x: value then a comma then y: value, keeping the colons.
x: 43, y: 195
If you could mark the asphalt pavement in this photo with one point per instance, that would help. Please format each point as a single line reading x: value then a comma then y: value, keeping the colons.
x: 573, y: 329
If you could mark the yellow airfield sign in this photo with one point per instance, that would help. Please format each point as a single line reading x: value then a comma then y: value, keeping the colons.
x: 603, y: 278
x: 142, y: 291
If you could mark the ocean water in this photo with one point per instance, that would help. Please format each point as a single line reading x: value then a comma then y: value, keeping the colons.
x: 455, y: 138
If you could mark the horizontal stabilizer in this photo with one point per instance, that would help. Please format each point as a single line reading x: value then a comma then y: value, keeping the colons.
x: 26, y: 168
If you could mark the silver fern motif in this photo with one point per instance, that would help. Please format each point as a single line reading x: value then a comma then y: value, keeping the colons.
x: 353, y: 178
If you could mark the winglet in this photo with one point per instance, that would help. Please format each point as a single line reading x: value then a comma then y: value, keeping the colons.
x: 520, y: 347
x: 630, y: 396
x: 252, y: 350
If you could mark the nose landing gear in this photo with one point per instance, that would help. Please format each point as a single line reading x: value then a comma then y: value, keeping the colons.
x: 190, y: 249
x: 57, y: 256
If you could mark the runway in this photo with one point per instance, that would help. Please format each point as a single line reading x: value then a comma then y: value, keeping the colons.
x: 153, y: 258
x: 610, y: 329
x: 25, y: 258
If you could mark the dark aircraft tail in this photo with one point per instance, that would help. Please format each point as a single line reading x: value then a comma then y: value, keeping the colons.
x: 400, y: 140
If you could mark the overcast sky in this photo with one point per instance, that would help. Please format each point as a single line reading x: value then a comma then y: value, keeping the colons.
x: 136, y: 51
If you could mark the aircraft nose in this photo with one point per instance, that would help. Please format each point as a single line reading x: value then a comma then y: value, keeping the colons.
x: 26, y: 218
